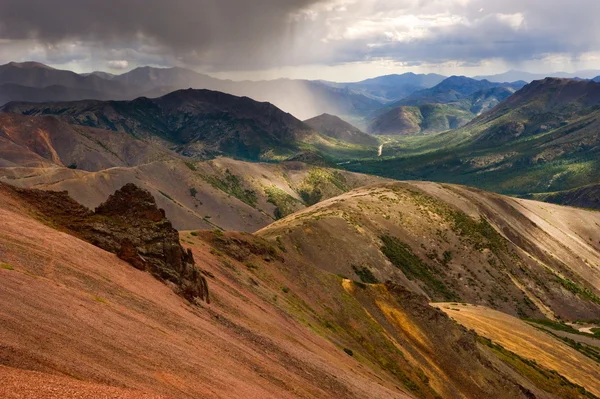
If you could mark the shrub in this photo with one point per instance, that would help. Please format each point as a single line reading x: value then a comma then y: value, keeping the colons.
x: 6, y: 266
x: 401, y: 256
x: 365, y: 274
x: 191, y: 166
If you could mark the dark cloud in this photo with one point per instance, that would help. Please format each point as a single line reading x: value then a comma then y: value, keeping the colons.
x: 224, y: 31
x: 230, y: 35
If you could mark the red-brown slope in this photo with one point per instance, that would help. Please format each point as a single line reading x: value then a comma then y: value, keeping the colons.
x: 22, y: 384
x: 44, y: 141
x: 277, y: 326
x: 69, y: 308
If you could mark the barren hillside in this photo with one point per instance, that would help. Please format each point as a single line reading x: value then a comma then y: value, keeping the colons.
x: 278, y: 325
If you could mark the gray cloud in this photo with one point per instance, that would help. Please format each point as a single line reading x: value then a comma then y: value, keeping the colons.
x: 226, y: 32
x: 229, y: 35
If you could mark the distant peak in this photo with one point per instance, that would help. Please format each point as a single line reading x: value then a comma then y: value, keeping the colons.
x: 29, y: 64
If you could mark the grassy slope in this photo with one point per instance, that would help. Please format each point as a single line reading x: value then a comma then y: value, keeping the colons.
x: 528, y: 342
x: 223, y: 193
x: 419, y: 120
x: 277, y: 326
x: 532, y: 143
x: 453, y: 243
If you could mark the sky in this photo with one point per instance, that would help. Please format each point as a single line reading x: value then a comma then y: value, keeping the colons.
x: 342, y: 40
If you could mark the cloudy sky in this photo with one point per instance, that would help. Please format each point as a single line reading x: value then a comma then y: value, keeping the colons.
x: 328, y: 39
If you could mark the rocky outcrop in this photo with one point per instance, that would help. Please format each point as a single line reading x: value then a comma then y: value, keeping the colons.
x: 130, y: 225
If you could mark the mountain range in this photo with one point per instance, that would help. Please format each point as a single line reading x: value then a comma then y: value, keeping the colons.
x: 311, y: 259
x: 198, y: 123
x: 514, y: 75
x: 541, y: 139
x: 36, y: 82
x: 291, y: 319
x: 449, y: 105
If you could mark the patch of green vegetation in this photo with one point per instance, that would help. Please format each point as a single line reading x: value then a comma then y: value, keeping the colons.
x: 587, y: 350
x: 578, y: 290
x: 99, y: 299
x: 193, y: 191
x: 218, y: 233
x: 251, y: 266
x: 285, y: 290
x: 191, y: 166
x: 365, y: 274
x: 194, y: 233
x: 548, y: 380
x: 312, y: 187
x: 488, y: 156
x: 401, y: 256
x: 349, y: 352
x: 284, y: 203
x: 232, y: 185
x: 6, y: 266
x: 280, y: 244
x: 447, y: 257
x: 555, y: 325
x: 166, y: 195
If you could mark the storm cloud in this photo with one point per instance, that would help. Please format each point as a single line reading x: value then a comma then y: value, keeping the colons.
x: 230, y: 35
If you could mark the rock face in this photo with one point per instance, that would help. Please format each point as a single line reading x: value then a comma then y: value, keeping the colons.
x: 130, y: 225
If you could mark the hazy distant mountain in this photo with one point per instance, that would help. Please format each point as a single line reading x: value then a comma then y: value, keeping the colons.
x: 512, y: 76
x: 100, y: 74
x: 449, y: 105
x: 334, y: 127
x: 148, y: 78
x: 33, y: 74
x: 303, y: 98
x: 14, y: 92
x: 390, y: 88
x: 453, y: 89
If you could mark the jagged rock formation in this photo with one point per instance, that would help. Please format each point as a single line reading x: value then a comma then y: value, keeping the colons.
x: 130, y: 225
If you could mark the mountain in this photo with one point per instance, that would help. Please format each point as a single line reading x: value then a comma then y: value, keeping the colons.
x: 541, y: 139
x: 453, y: 89
x: 36, y: 75
x: 391, y: 88
x: 479, y: 248
x: 100, y: 74
x: 332, y: 126
x: 48, y: 142
x: 89, y: 162
x: 423, y: 119
x: 449, y: 105
x: 13, y: 92
x: 486, y: 99
x: 303, y: 98
x: 583, y: 197
x: 289, y: 319
x: 223, y: 193
x: 196, y: 123
x: 596, y: 79
x: 149, y: 78
x: 513, y: 75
